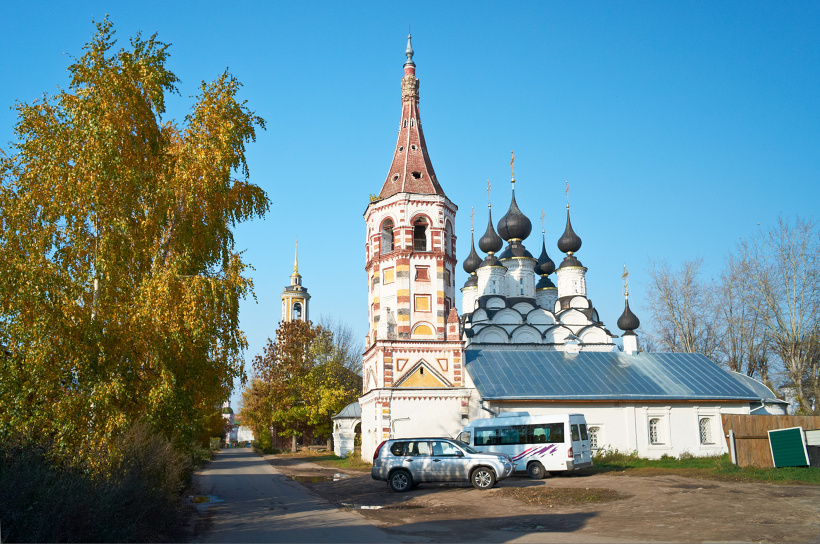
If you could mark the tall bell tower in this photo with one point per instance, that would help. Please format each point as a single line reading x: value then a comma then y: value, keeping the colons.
x: 413, y: 338
x: 295, y: 297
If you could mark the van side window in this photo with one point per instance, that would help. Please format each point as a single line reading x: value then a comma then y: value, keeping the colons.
x: 397, y: 448
x: 584, y: 435
x: 576, y: 435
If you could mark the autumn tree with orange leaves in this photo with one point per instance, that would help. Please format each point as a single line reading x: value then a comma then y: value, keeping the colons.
x: 119, y: 280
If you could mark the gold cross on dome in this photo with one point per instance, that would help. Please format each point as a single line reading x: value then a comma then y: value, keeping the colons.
x: 567, y: 192
x: 512, y: 165
x: 472, y: 220
x: 625, y: 277
x: 489, y: 201
x: 542, y: 221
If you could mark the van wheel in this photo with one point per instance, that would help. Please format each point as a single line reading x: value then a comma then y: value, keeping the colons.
x: 535, y: 470
x: 483, y: 478
x: 400, y: 481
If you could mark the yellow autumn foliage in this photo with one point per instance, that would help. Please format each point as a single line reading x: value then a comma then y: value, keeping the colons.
x: 119, y: 280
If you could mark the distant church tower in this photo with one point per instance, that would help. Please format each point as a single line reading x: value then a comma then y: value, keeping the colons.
x: 413, y: 348
x: 295, y: 298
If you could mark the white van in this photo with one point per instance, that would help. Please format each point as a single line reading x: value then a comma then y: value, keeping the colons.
x: 536, y: 444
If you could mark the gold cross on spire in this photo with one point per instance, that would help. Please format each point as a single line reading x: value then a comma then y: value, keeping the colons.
x: 472, y: 220
x: 542, y: 222
x: 567, y: 192
x: 489, y: 201
x: 512, y: 165
x: 296, y: 257
x: 625, y: 277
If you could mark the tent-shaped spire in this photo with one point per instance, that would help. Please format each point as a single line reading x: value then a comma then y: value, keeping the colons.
x: 411, y: 170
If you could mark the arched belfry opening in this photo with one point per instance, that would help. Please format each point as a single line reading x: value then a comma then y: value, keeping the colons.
x: 388, y: 238
x: 420, y: 229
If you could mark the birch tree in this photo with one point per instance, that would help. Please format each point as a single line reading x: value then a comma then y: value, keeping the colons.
x: 783, y: 265
x: 119, y: 280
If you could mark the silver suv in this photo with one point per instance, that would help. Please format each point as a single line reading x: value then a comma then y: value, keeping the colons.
x: 407, y: 462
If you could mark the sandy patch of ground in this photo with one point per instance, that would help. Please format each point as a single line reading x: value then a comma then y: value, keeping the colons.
x: 618, y: 507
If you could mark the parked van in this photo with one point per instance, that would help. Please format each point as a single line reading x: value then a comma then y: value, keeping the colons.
x: 536, y: 444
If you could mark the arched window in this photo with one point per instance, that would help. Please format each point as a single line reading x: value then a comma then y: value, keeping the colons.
x: 420, y: 234
x: 448, y: 238
x: 705, y: 426
x: 655, y: 431
x: 297, y: 312
x: 387, y: 236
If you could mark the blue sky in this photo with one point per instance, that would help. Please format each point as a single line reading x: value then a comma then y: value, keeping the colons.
x: 679, y: 125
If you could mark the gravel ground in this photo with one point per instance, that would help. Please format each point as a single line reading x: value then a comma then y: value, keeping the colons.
x: 612, y: 507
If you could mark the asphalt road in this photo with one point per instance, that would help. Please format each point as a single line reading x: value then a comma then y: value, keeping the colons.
x: 250, y: 501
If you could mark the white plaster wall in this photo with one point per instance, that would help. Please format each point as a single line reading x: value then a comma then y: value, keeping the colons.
x: 625, y: 427
x: 344, y: 435
x: 571, y: 281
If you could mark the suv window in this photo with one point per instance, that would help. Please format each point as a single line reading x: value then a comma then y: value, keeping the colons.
x: 576, y: 435
x: 397, y: 448
x: 418, y: 448
x: 444, y: 449
x: 464, y: 437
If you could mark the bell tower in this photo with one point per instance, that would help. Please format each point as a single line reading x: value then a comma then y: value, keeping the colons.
x: 295, y: 297
x: 410, y: 263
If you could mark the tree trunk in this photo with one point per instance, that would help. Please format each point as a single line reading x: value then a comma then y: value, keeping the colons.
x: 293, y: 447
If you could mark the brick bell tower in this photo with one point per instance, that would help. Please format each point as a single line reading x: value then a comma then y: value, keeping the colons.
x: 412, y: 366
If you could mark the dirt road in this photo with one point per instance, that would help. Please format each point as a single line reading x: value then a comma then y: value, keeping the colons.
x: 247, y: 500
x: 650, y: 508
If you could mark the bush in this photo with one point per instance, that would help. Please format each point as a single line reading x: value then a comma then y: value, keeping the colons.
x: 216, y: 443
x: 129, y: 491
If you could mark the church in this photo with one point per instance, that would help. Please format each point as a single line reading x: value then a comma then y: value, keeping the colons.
x: 523, y: 342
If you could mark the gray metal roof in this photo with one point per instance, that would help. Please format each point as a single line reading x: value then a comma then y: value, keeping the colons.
x: 759, y: 388
x: 512, y: 372
x: 352, y: 410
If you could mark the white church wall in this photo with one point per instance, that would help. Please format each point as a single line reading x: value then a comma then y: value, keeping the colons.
x: 629, y: 427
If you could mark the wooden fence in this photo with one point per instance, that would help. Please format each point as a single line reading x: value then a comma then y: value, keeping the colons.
x: 752, y: 438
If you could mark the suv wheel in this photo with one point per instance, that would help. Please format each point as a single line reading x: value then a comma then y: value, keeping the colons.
x: 483, y: 478
x: 535, y: 470
x: 400, y: 481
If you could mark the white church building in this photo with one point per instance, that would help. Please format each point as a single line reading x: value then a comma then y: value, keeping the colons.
x: 522, y: 342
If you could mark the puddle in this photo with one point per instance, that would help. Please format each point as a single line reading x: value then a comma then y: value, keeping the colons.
x: 381, y: 507
x: 203, y: 499
x: 318, y: 479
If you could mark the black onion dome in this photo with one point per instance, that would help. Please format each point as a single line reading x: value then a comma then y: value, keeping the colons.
x: 473, y: 261
x: 472, y: 281
x: 628, y: 321
x: 490, y: 242
x: 545, y: 266
x: 569, y: 241
x: 514, y: 225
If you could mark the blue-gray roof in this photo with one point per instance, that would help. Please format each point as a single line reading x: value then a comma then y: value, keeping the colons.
x: 352, y: 410
x: 759, y: 388
x: 510, y: 372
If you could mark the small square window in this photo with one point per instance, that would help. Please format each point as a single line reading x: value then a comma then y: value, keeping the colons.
x: 423, y: 273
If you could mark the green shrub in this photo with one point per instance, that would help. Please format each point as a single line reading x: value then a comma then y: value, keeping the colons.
x: 216, y: 443
x: 129, y: 491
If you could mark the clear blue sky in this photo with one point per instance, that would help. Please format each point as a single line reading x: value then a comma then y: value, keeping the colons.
x: 679, y: 125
